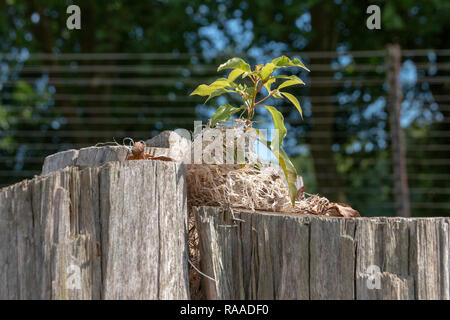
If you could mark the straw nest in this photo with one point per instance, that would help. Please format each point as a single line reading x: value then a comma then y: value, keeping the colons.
x: 247, y: 187
x: 252, y: 186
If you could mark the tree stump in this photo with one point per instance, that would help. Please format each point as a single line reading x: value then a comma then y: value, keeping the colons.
x: 275, y: 256
x: 94, y: 226
x: 112, y: 231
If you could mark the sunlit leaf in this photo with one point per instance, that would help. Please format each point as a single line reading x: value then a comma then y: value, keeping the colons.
x: 291, y: 77
x: 223, y: 113
x: 218, y: 92
x: 268, y: 84
x: 267, y: 71
x: 220, y: 83
x: 202, y: 90
x: 300, y: 64
x: 290, y: 83
x: 278, y: 123
x: 234, y: 74
x: 206, y: 90
x: 235, y: 63
x: 294, y: 100
x: 290, y: 173
x: 283, y: 61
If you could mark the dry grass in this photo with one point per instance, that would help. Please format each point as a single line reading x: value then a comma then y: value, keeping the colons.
x: 254, y: 187
x: 247, y: 188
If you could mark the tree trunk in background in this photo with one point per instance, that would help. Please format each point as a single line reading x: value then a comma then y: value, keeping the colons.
x: 397, y: 138
x: 325, y: 39
x: 42, y: 31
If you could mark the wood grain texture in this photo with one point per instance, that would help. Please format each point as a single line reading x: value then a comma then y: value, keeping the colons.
x: 92, y: 157
x: 116, y: 231
x: 59, y: 161
x: 274, y: 256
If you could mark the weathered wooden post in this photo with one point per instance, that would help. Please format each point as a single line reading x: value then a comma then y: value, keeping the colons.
x: 277, y: 256
x: 93, y: 229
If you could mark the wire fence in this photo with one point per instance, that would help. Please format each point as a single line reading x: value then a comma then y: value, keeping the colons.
x: 55, y: 102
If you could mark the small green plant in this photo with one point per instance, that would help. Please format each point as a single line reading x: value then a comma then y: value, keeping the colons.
x: 250, y: 93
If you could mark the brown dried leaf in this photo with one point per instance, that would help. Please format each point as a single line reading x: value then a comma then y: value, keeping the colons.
x: 161, y: 158
x: 341, y: 210
x: 138, y: 153
x: 138, y: 149
x: 300, y: 192
x: 146, y: 156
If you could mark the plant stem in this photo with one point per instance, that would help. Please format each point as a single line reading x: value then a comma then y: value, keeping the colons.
x: 268, y: 96
x: 252, y: 106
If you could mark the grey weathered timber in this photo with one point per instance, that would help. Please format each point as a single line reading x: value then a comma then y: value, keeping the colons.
x: 162, y: 140
x: 116, y: 231
x: 275, y: 256
x: 92, y: 157
x: 59, y: 160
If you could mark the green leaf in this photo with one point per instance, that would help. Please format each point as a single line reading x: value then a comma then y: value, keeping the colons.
x: 282, y: 76
x: 294, y: 100
x: 235, y: 63
x: 294, y: 80
x: 202, y: 90
x: 24, y: 92
x: 250, y: 91
x: 234, y: 74
x: 299, y: 64
x: 223, y: 113
x: 267, y: 71
x: 283, y: 62
x: 220, y: 83
x: 278, y: 123
x: 206, y: 90
x: 291, y: 77
x: 217, y: 93
x: 290, y: 173
x: 268, y: 84
x: 288, y: 83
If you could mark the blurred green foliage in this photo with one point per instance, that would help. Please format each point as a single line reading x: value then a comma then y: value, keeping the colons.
x: 263, y: 29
